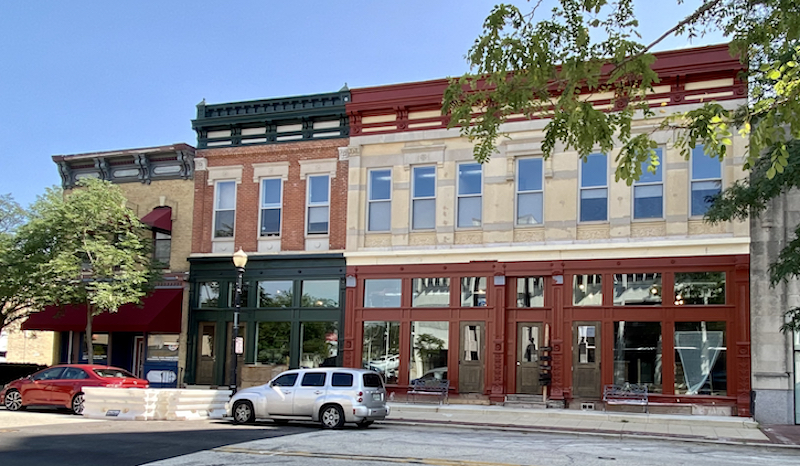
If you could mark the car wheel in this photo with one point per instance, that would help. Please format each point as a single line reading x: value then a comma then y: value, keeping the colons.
x: 14, y: 401
x: 364, y: 424
x: 243, y: 412
x: 77, y: 404
x: 332, y: 417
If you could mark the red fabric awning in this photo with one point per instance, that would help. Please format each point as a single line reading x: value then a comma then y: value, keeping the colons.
x: 160, y: 219
x: 160, y: 312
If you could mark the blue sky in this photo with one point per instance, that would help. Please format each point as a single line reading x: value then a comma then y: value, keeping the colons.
x: 87, y: 76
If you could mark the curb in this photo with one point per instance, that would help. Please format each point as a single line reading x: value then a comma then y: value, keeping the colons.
x: 595, y: 433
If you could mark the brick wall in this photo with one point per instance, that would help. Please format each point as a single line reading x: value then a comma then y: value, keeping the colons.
x: 247, y: 194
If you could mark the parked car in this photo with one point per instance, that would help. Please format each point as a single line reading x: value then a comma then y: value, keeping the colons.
x: 331, y: 396
x: 63, y: 386
x: 437, y: 373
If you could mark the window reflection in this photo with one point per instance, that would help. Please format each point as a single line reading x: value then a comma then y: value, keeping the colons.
x: 208, y: 295
x: 473, y: 291
x: 586, y: 344
x: 380, y: 350
x: 637, y: 354
x: 700, y: 358
x: 637, y: 289
x: 382, y: 292
x: 275, y: 293
x: 272, y: 340
x: 699, y: 288
x: 430, y: 292
x: 320, y: 293
x: 530, y: 344
x: 472, y: 343
x: 320, y: 344
x: 530, y: 292
x: 587, y: 290
x: 429, y: 350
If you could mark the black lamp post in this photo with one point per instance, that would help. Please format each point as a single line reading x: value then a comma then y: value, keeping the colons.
x: 239, y: 261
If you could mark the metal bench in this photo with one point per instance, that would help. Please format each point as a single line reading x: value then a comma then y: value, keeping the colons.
x: 430, y: 387
x: 626, y: 394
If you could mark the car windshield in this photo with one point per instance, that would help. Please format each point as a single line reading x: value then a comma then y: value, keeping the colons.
x: 111, y: 372
x: 372, y: 381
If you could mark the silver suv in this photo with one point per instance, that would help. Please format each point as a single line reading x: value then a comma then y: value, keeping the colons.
x: 331, y: 396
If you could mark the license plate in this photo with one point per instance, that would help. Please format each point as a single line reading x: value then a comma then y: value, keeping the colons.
x: 377, y: 397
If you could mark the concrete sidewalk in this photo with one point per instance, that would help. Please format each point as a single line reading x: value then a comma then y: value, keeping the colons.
x: 716, y: 429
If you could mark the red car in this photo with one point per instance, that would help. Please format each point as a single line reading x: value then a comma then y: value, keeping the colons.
x: 63, y: 386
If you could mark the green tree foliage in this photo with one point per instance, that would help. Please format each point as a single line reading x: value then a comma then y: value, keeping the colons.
x: 16, y: 290
x: 539, y: 65
x: 87, y: 248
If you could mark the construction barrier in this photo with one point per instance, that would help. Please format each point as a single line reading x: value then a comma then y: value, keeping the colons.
x: 154, y: 404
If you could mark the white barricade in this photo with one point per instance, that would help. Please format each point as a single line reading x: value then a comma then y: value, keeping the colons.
x: 154, y: 403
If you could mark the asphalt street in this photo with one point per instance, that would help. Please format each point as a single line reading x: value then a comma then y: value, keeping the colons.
x: 48, y: 437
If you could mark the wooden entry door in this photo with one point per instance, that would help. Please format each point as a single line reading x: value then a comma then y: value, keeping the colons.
x: 206, y: 353
x: 471, y: 358
x: 586, y: 360
x: 530, y: 338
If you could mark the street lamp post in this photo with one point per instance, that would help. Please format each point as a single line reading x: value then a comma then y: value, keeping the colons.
x: 239, y: 261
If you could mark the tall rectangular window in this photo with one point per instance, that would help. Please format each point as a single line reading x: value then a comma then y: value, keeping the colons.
x: 271, y: 202
x: 701, y: 358
x: 429, y: 347
x: 320, y: 342
x: 470, y: 193
x: 318, y: 204
x: 224, y: 209
x: 637, y: 354
x: 706, y: 180
x: 423, y: 203
x: 594, y: 189
x: 380, y: 349
x: 648, y: 191
x: 380, y: 200
x: 162, y: 248
x: 530, y: 196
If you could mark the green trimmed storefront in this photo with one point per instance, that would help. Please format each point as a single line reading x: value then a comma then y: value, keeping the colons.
x: 292, y: 315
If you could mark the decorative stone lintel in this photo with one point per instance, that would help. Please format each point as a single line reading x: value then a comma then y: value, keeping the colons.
x: 270, y: 169
x: 225, y: 173
x: 318, y: 166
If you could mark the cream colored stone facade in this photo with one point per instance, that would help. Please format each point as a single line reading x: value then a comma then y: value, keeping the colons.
x: 29, y: 346
x: 561, y: 236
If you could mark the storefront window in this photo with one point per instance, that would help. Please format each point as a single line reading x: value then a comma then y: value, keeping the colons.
x: 320, y: 344
x: 232, y: 294
x: 430, y: 292
x: 637, y: 354
x: 162, y: 347
x: 429, y: 350
x: 587, y: 290
x: 275, y: 293
x: 699, y: 288
x: 700, y: 358
x: 208, y: 295
x: 99, y: 348
x: 637, y: 289
x: 320, y: 293
x: 530, y: 292
x: 272, y: 340
x: 382, y: 292
x: 473, y: 291
x: 381, y: 349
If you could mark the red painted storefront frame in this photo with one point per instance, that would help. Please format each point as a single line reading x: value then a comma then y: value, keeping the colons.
x: 501, y: 317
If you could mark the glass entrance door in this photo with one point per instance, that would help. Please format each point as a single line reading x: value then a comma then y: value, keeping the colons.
x: 470, y: 370
x: 206, y: 339
x: 529, y: 343
x: 586, y: 359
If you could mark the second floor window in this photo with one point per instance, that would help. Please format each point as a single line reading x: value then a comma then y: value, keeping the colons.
x: 470, y: 193
x: 271, y: 207
x: 224, y: 209
x: 648, y: 191
x: 706, y: 180
x: 162, y: 246
x: 529, y: 192
x: 423, y: 203
x: 318, y: 204
x: 594, y: 189
x: 380, y: 200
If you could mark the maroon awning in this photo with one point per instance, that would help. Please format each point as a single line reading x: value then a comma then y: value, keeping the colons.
x: 160, y: 312
x: 160, y: 219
